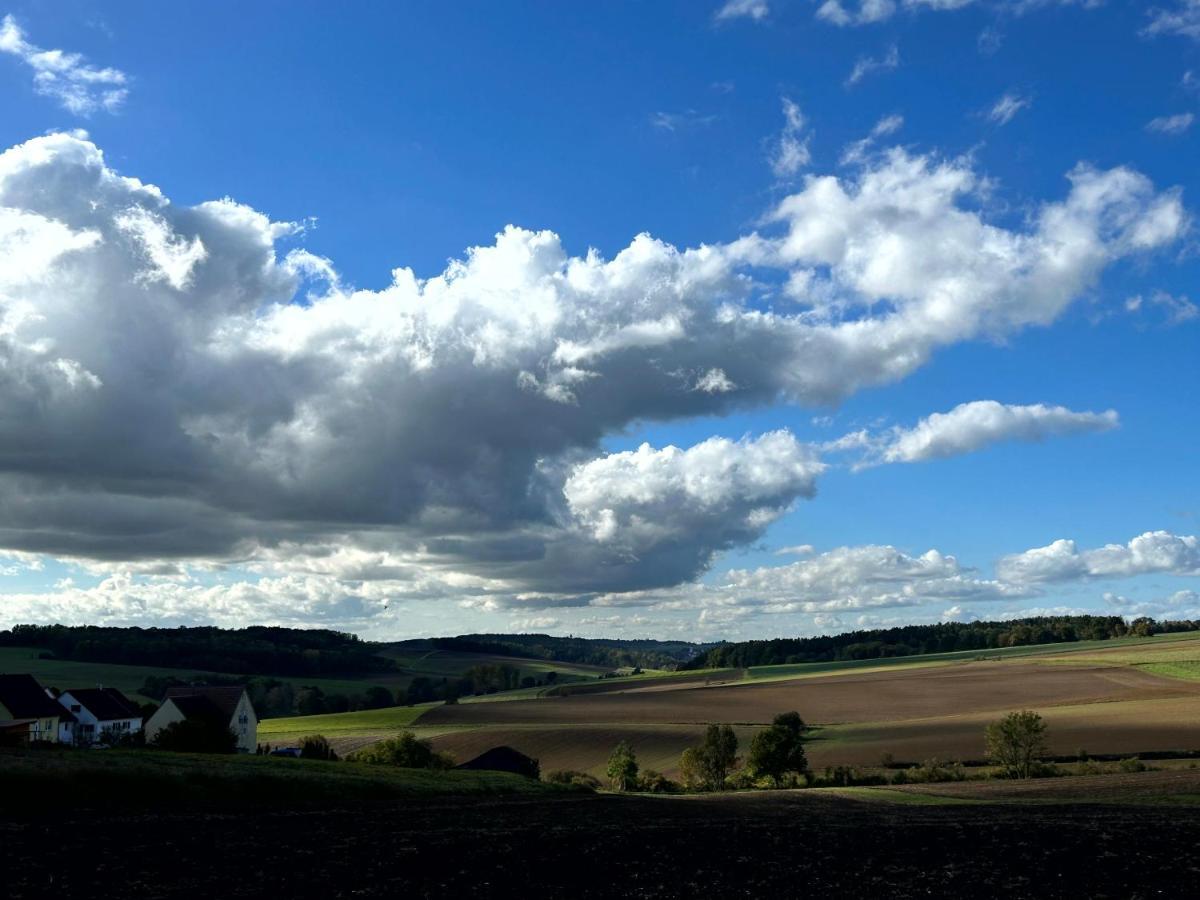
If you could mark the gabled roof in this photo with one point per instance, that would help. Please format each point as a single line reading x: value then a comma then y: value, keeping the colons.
x: 224, y: 699
x: 105, y: 704
x: 504, y: 759
x: 24, y: 698
x: 201, y: 708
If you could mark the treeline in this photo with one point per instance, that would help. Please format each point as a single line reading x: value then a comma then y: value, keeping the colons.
x: 258, y: 650
x: 475, y: 681
x: 945, y: 637
x: 614, y: 654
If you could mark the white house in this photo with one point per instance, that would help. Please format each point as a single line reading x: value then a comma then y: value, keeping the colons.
x: 226, y: 705
x: 101, y: 716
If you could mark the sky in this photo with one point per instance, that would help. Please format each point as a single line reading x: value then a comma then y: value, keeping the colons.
x: 688, y: 320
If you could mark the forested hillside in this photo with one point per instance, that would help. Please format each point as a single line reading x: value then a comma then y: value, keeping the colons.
x: 943, y: 637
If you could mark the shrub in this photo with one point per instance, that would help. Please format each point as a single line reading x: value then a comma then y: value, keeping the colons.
x: 316, y: 746
x: 404, y: 751
x: 656, y: 783
x: 934, y: 771
x: 1131, y: 764
x: 573, y: 777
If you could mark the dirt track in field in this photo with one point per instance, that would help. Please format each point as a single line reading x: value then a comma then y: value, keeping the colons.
x: 878, y: 697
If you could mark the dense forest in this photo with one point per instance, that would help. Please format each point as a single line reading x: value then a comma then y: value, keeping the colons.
x: 258, y: 650
x: 611, y: 654
x: 945, y: 637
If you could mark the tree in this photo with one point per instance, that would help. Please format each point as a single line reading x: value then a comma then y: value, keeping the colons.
x: 1015, y: 742
x: 779, y: 749
x: 316, y: 746
x: 708, y: 765
x: 196, y: 736
x: 378, y: 697
x: 622, y: 767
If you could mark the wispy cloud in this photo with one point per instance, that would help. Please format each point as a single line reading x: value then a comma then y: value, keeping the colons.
x: 680, y: 121
x: 856, y: 151
x: 77, y: 86
x: 866, y: 65
x: 743, y: 9
x: 791, y: 153
x: 1183, y: 18
x: 1006, y: 108
x: 1178, y: 309
x: 1176, y: 124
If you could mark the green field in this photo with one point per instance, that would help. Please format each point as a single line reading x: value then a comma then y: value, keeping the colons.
x: 365, y: 723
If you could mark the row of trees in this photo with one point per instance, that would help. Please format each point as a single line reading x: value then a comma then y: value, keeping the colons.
x: 258, y: 650
x: 943, y: 637
x: 1016, y: 745
x: 776, y: 758
x: 610, y: 653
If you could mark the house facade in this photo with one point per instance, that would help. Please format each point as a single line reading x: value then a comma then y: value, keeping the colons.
x: 228, y: 706
x: 26, y: 710
x: 100, y: 716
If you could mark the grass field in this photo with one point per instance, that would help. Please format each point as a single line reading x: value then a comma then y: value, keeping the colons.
x: 348, y: 730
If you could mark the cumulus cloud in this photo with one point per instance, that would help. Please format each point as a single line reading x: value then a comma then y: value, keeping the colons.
x: 1179, y: 605
x: 791, y: 153
x: 978, y: 424
x: 868, y: 65
x: 757, y: 10
x: 66, y: 77
x: 1155, y: 552
x: 174, y: 387
x: 1176, y: 124
x: 1006, y: 108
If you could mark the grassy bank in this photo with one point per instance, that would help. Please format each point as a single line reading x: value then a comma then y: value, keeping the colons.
x: 53, y: 781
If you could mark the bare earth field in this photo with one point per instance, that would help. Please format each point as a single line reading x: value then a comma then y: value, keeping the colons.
x: 913, y: 714
x: 778, y: 844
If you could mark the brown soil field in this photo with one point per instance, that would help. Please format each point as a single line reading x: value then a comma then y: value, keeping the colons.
x: 1141, y: 787
x: 913, y: 715
x: 878, y: 697
x: 780, y: 844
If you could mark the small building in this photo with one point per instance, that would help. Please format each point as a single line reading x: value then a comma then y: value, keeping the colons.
x: 101, y: 715
x: 28, y: 711
x: 224, y: 705
x: 504, y: 759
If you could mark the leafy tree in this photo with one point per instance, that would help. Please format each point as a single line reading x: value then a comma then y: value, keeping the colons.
x: 1015, y: 742
x: 377, y: 697
x: 690, y: 769
x: 779, y: 749
x: 404, y: 751
x: 196, y: 736
x: 622, y: 767
x: 316, y: 746
x: 717, y: 756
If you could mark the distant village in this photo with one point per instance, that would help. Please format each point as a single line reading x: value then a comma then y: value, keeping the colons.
x: 32, y: 713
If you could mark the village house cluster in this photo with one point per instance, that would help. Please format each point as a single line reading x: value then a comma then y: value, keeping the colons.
x: 97, y: 717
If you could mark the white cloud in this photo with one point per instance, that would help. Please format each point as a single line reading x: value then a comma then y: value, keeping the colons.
x: 680, y: 121
x: 77, y: 86
x: 1179, y: 605
x: 867, y: 65
x: 856, y: 151
x: 1182, y: 18
x: 868, y: 12
x: 1176, y: 124
x: 167, y: 392
x: 791, y: 153
x: 978, y: 424
x: 756, y: 10
x: 796, y: 550
x: 1177, y: 309
x: 1155, y: 552
x: 1004, y: 109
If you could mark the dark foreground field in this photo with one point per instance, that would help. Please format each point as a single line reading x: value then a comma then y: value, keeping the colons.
x: 793, y: 844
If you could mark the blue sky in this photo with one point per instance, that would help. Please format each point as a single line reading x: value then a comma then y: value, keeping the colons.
x: 400, y: 135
